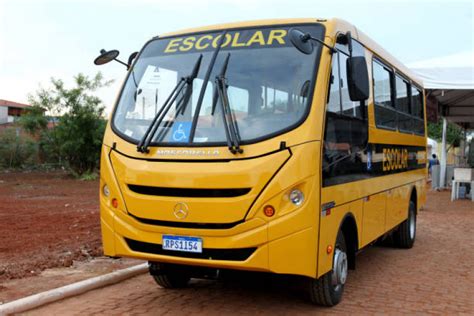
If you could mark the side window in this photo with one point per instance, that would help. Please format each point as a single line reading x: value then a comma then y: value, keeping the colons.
x: 345, y: 129
x: 385, y: 114
x: 349, y: 107
x: 417, y: 111
x: 405, y: 121
x: 402, y: 95
x: 334, y: 97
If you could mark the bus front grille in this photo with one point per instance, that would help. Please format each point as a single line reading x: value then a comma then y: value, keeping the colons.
x: 238, y: 254
x: 157, y: 222
x: 188, y: 192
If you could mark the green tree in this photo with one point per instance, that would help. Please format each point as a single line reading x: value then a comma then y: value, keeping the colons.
x: 34, y: 121
x: 78, y: 124
x: 454, y: 133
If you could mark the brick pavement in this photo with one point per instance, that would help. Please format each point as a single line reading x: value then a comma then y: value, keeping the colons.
x: 435, y: 277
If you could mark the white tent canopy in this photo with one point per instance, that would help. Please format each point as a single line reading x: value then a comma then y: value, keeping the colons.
x: 450, y: 80
x: 448, y: 72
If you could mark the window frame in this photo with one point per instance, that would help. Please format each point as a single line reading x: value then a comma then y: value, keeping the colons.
x: 423, y: 111
x: 362, y: 104
x: 392, y: 106
x: 394, y: 72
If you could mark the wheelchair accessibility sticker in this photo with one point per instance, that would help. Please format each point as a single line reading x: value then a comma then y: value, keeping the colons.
x: 180, y: 132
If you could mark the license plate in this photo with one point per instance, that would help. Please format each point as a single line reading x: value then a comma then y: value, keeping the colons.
x: 182, y: 243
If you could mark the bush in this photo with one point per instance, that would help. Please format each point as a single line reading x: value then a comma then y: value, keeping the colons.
x: 75, y: 138
x: 17, y: 150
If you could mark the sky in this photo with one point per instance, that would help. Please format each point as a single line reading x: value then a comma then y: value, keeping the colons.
x: 40, y: 39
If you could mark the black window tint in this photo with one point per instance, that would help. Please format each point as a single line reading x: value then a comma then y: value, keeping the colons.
x: 416, y: 103
x: 417, y: 111
x: 346, y: 129
x: 334, y: 97
x: 382, y: 90
x: 402, y: 95
x: 385, y: 114
x: 405, y: 121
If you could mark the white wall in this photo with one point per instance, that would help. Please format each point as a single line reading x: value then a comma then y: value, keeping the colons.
x: 3, y: 114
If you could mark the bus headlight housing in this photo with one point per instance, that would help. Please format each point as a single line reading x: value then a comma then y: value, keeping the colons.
x: 106, y: 190
x: 296, y: 197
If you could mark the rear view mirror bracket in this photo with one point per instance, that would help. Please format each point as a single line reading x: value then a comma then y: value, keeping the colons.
x: 302, y: 42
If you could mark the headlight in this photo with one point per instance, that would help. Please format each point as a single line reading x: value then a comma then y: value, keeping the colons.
x: 296, y: 197
x: 106, y: 190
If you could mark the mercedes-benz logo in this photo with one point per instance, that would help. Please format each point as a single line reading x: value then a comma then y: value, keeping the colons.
x: 181, y: 210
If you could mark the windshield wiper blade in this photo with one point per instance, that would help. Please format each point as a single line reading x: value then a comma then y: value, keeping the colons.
x: 204, y: 87
x: 189, y: 81
x: 230, y: 123
x: 145, y: 141
x: 183, y: 102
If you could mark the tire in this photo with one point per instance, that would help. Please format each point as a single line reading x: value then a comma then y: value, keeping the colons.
x: 404, y: 236
x: 328, y: 289
x: 169, y: 276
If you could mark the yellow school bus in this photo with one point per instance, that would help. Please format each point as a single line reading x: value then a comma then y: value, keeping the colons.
x: 281, y: 146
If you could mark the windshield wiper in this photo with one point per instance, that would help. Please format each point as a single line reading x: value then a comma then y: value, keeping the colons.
x: 187, y: 82
x: 228, y: 118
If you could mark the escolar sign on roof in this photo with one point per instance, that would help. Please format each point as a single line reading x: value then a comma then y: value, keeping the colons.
x: 236, y: 39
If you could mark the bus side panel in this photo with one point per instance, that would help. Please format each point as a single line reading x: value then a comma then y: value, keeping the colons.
x: 421, y: 194
x: 373, y: 223
x: 397, y: 206
x: 329, y: 228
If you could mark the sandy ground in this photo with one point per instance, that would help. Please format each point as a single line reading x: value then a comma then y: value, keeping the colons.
x: 50, y: 233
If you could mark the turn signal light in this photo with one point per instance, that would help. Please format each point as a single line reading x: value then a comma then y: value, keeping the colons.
x: 114, y: 203
x: 269, y: 210
x: 329, y: 249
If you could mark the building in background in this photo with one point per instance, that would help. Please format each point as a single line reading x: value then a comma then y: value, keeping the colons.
x: 10, y: 111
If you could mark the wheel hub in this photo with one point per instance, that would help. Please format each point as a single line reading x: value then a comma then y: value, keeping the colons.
x: 412, y: 225
x: 339, y: 271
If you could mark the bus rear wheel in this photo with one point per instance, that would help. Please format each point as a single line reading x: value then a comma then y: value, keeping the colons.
x: 404, y: 236
x: 169, y: 276
x: 328, y: 289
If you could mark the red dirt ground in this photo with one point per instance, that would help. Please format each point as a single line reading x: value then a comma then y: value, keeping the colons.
x: 47, y: 219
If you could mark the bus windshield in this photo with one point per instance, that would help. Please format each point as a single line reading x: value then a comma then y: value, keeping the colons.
x: 269, y: 84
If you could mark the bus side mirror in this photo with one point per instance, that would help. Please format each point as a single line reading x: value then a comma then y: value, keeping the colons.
x: 108, y: 56
x: 357, y: 78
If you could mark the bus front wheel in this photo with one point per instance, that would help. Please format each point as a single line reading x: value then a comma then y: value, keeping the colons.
x: 169, y: 276
x: 328, y: 289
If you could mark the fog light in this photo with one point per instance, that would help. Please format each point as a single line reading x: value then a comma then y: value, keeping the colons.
x: 269, y: 210
x: 106, y: 190
x: 296, y: 197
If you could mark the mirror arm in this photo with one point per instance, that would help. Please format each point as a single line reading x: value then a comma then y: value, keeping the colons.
x: 307, y: 36
x: 121, y: 62
x: 349, y: 42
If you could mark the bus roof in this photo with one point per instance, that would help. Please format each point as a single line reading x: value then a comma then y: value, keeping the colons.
x: 333, y: 25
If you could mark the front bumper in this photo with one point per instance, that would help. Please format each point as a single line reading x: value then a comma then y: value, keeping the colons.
x: 286, y: 245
